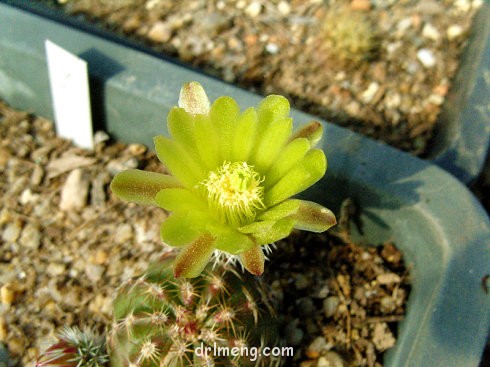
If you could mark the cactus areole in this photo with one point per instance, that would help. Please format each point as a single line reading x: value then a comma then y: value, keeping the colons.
x: 232, y: 176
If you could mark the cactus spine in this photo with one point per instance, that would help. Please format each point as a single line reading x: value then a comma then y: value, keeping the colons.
x: 160, y: 320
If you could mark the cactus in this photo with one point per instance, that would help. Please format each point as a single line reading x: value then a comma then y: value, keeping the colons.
x: 350, y: 36
x: 163, y: 321
x: 75, y: 348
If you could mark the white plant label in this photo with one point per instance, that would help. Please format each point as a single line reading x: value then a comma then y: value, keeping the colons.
x: 68, y: 77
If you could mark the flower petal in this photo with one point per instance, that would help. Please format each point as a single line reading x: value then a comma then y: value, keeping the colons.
x: 232, y: 241
x: 181, y: 127
x: 179, y: 199
x: 181, y: 228
x: 270, y: 143
x: 290, y: 156
x: 243, y: 139
x: 282, y: 210
x: 313, y: 217
x: 312, y: 131
x: 308, y: 171
x: 224, y: 114
x: 193, y: 258
x: 253, y: 260
x: 207, y: 142
x: 281, y: 229
x: 273, y: 107
x: 178, y: 161
x: 256, y: 227
x: 141, y: 186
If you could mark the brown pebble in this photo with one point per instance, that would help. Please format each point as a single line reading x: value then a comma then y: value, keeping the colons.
x: 388, y: 278
x: 360, y: 5
x: 100, y: 257
x: 136, y: 149
x: 33, y: 352
x: 4, y: 157
x: 3, y: 329
x: 7, y: 295
x: 37, y: 175
x: 16, y: 345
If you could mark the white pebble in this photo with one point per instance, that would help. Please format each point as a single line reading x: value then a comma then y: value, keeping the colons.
x: 436, y: 99
x: 476, y: 4
x: 11, y: 232
x: 454, y: 32
x: 253, y: 9
x: 393, y: 47
x: 463, y: 5
x: 55, y: 269
x: 151, y: 4
x: 426, y: 57
x: 272, y: 48
x: 370, y: 92
x: 431, y: 32
x: 403, y: 25
x: 28, y: 197
x: 94, y: 272
x: 388, y: 278
x: 124, y: 233
x: 284, y: 8
x: 241, y: 4
x: 318, y: 345
x: 101, y: 137
x: 75, y: 191
x: 330, y: 359
x: 392, y: 100
x: 160, y: 32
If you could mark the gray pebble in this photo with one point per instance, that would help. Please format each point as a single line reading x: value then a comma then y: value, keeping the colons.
x: 293, y: 334
x: 330, y: 305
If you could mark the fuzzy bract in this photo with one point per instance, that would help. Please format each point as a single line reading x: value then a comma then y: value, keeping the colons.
x: 75, y: 348
x: 232, y: 177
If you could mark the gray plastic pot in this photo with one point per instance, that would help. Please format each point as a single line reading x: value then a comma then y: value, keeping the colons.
x: 463, y: 132
x: 459, y: 146
x: 432, y: 217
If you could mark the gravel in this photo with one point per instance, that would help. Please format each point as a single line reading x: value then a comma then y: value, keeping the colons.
x: 62, y: 258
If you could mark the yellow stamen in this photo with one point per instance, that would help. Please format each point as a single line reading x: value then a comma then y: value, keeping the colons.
x: 235, y: 192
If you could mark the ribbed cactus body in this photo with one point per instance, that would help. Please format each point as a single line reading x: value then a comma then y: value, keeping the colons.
x: 160, y: 320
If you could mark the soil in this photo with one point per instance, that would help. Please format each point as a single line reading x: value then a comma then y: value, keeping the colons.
x: 340, y: 302
x: 380, y: 67
x: 62, y: 255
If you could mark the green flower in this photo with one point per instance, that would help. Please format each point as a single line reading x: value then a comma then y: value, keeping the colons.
x: 232, y: 177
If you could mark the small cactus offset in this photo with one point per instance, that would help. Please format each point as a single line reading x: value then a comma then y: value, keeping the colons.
x: 75, y: 348
x: 350, y: 35
x: 163, y: 321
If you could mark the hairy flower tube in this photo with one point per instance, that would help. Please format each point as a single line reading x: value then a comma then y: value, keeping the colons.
x: 232, y: 176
